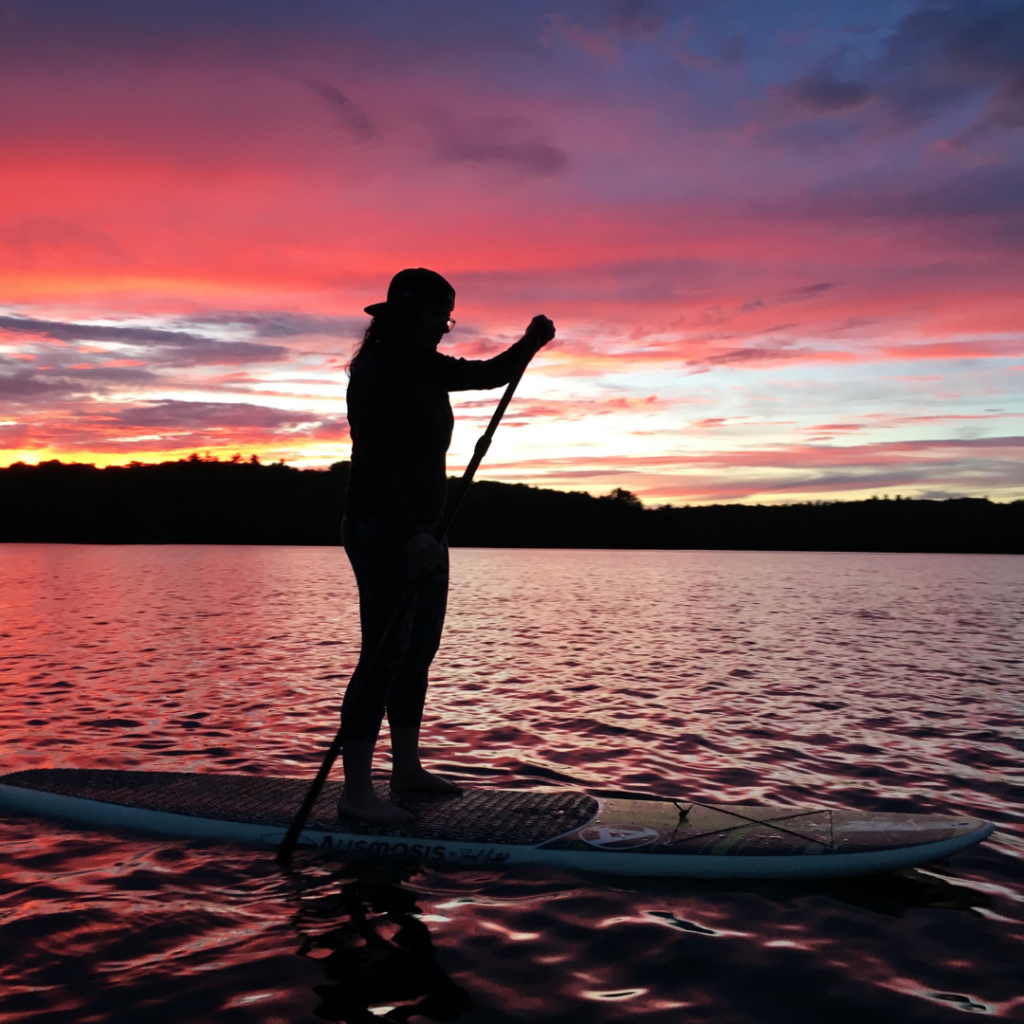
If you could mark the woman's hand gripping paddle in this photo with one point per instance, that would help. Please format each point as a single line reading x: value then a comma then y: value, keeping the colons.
x: 543, y: 330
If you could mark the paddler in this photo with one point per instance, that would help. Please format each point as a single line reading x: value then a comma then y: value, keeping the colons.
x: 401, y: 425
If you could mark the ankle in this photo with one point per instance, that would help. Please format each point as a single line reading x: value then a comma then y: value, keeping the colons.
x: 358, y: 792
x: 405, y: 749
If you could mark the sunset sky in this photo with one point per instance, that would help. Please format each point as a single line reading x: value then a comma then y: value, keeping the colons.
x: 782, y: 241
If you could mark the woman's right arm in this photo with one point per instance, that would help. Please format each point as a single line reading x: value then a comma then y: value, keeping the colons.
x: 480, y: 374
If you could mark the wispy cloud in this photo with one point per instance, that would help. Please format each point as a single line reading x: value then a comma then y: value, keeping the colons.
x: 939, y: 58
x: 499, y: 141
x: 167, y: 347
x: 349, y: 116
x: 280, y: 323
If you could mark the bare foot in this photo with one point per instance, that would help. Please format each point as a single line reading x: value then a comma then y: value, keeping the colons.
x: 373, y: 810
x: 419, y: 780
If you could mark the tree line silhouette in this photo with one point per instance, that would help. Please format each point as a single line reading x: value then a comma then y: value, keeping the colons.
x: 205, y: 501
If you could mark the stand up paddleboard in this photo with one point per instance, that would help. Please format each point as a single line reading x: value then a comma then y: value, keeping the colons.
x: 482, y: 827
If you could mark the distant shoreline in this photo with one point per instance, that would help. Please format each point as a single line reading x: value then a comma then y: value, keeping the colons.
x: 197, y: 501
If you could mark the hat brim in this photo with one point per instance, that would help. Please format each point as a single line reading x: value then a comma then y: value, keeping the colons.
x: 376, y: 309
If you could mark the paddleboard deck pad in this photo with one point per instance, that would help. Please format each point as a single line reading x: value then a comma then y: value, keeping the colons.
x: 483, y: 827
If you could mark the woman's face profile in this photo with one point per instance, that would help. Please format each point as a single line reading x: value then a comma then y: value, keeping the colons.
x: 433, y: 324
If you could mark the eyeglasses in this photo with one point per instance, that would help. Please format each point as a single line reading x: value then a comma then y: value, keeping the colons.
x: 451, y: 323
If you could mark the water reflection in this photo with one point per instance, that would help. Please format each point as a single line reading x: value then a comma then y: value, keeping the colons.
x: 367, y: 923
x: 891, y: 895
x: 896, y: 894
x: 795, y: 678
x: 375, y: 948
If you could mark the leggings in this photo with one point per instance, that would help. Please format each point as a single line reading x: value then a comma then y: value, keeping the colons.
x: 397, y: 685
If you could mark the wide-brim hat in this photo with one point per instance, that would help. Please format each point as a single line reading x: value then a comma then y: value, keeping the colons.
x: 412, y: 288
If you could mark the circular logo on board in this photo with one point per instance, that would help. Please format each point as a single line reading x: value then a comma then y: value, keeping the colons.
x: 618, y: 837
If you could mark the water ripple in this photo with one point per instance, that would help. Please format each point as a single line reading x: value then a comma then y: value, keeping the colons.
x: 873, y: 681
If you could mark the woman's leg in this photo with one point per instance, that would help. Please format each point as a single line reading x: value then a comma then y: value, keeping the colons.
x: 408, y: 689
x: 382, y: 574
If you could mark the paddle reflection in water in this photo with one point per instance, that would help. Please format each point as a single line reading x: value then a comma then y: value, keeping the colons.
x: 369, y: 934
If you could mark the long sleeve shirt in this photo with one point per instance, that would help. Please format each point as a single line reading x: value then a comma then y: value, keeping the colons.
x: 401, y: 423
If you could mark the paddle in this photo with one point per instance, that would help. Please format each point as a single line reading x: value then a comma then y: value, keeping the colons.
x: 284, y: 852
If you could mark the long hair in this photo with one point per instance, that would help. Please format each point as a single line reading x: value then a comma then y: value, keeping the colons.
x: 390, y: 329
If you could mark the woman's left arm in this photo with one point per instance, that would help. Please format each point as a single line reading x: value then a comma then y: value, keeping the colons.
x: 480, y: 374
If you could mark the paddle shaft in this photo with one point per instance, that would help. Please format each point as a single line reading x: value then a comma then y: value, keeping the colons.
x: 388, y: 639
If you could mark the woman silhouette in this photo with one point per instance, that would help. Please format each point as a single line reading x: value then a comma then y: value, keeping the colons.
x: 401, y: 425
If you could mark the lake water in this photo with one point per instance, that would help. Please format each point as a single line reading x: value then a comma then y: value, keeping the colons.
x: 866, y: 681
